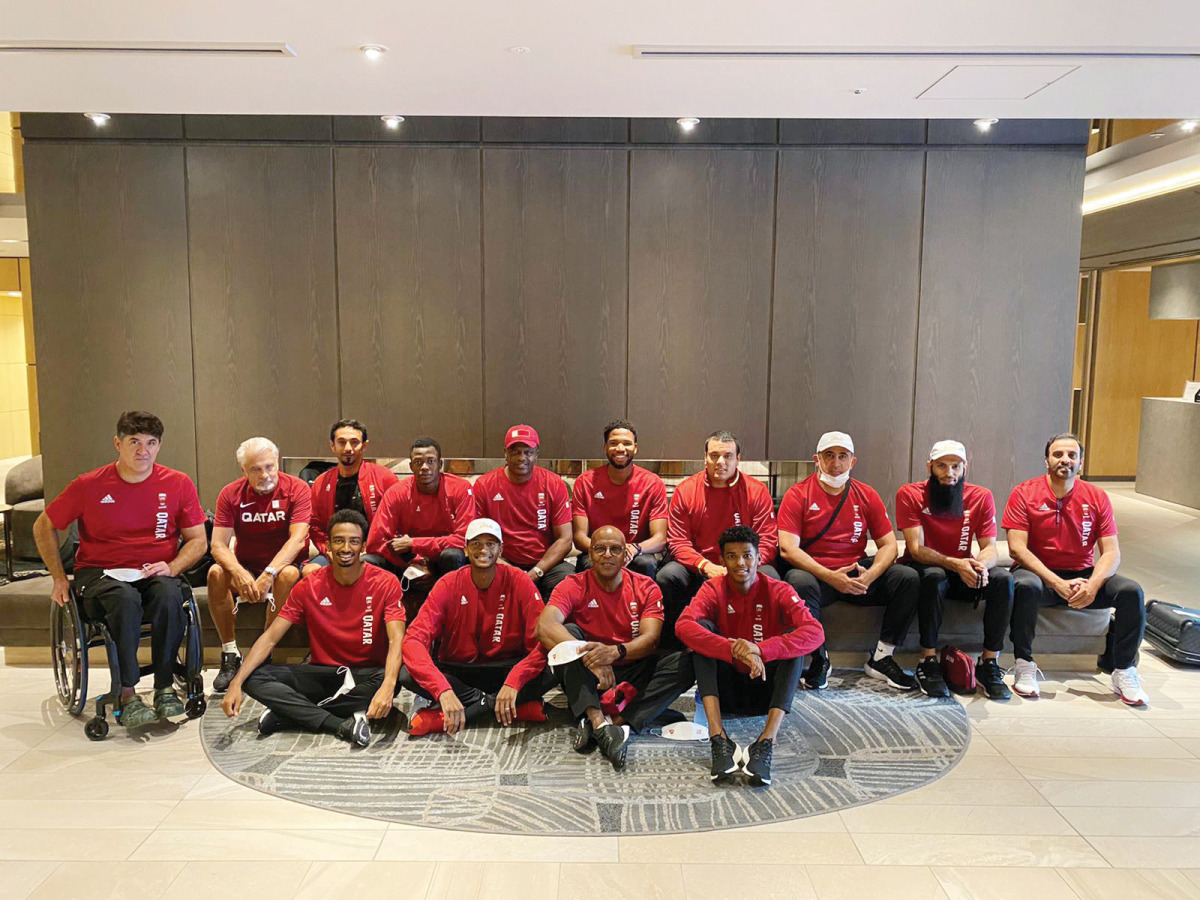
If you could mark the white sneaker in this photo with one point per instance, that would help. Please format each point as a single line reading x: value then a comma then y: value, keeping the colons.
x: 1127, y: 686
x: 1025, y: 678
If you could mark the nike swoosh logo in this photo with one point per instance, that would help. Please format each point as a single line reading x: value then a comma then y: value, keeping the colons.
x: 244, y: 505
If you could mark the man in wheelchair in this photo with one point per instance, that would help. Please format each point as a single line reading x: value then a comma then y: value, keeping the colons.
x: 132, y: 515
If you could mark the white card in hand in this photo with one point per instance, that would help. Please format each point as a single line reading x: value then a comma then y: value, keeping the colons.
x: 126, y: 575
x: 565, y: 652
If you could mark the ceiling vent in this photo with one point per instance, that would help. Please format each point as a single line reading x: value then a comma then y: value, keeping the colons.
x: 956, y: 53
x: 202, y: 48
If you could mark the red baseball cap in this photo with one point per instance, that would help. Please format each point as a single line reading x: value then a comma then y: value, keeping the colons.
x: 521, y: 434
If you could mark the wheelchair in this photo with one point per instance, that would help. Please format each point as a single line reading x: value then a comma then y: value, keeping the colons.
x: 73, y: 633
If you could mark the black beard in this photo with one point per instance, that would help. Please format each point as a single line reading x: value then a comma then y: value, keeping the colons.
x: 628, y: 463
x: 946, y: 500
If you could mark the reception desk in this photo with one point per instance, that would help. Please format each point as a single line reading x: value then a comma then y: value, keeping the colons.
x: 1169, y: 450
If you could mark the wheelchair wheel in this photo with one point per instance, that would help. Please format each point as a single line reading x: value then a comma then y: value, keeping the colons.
x: 96, y: 729
x: 189, y: 663
x: 68, y: 651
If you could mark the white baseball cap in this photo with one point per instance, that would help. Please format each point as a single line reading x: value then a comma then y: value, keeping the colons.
x: 484, y: 526
x: 835, y: 439
x: 948, y: 448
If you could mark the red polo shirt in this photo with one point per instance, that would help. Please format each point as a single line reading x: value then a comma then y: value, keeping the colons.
x: 806, y: 508
x: 123, y: 525
x: 770, y: 615
x: 435, y: 522
x: 631, y: 506
x: 346, y: 625
x: 700, y: 512
x: 261, y: 522
x: 468, y: 625
x: 527, y: 512
x: 1062, y: 533
x: 948, y: 535
x: 608, y: 618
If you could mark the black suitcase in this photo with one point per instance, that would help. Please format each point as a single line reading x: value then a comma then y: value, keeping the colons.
x: 1174, y: 631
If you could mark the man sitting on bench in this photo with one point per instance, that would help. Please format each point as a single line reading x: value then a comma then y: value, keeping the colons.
x: 355, y: 624
x: 132, y: 514
x: 749, y: 634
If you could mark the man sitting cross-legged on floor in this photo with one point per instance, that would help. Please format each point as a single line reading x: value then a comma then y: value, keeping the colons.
x: 620, y: 614
x: 749, y: 634
x: 472, y: 648
x: 355, y: 624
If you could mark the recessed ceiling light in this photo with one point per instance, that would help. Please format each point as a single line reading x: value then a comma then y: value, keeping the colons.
x: 857, y: 91
x: 1158, y: 134
x: 392, y: 122
x: 373, y: 51
x: 98, y: 119
x: 10, y: 241
x: 687, y: 123
x: 1189, y: 125
x: 520, y: 49
x: 10, y: 293
x: 985, y: 124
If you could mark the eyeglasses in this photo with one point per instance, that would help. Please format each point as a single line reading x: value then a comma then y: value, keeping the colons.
x: 608, y: 551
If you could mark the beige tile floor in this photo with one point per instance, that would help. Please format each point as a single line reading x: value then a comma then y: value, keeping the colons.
x: 1070, y: 796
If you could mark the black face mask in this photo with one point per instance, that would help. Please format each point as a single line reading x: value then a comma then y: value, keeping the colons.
x: 946, y: 500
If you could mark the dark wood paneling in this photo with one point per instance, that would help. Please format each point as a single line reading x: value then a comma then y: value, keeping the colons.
x: 1149, y: 229
x: 699, y: 297
x: 127, y: 126
x: 258, y: 128
x: 1073, y: 132
x: 1175, y: 291
x: 554, y: 130
x: 413, y: 128
x: 108, y: 236
x: 409, y: 290
x: 852, y: 131
x: 708, y: 131
x: 554, y: 295
x: 264, y: 307
x: 999, y: 287
x: 846, y: 290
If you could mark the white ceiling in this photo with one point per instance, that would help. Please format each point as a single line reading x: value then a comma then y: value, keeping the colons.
x: 453, y: 59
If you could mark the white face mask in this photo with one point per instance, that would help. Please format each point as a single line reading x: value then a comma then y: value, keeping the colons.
x: 685, y: 731
x: 834, y: 481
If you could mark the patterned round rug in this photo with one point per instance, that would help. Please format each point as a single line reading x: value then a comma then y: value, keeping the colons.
x: 854, y: 743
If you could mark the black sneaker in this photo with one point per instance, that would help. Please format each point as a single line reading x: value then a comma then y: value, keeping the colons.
x: 758, y: 761
x: 584, y: 739
x: 991, y: 678
x: 269, y: 723
x: 816, y: 676
x: 230, y: 663
x: 724, y: 758
x: 888, y: 670
x: 613, y: 741
x: 355, y: 730
x: 929, y: 678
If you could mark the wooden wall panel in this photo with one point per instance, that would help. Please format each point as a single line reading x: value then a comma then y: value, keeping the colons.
x: 701, y: 225
x: 846, y: 290
x: 555, y: 302
x: 108, y: 233
x: 1136, y: 357
x: 851, y: 131
x: 999, y: 296
x: 264, y: 307
x: 554, y: 130
x: 409, y: 263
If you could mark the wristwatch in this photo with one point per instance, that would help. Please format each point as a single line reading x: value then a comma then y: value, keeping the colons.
x: 270, y: 570
x: 536, y: 572
x: 621, y: 651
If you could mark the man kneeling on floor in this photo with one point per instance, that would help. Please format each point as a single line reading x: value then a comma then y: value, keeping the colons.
x: 749, y: 634
x: 355, y: 627
x: 620, y: 615
x: 473, y: 646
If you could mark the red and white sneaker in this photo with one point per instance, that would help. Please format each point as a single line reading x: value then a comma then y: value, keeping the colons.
x: 1127, y: 686
x: 1025, y: 678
